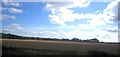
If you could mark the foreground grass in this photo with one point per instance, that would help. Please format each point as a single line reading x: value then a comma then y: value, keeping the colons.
x: 34, y: 48
x: 9, y: 50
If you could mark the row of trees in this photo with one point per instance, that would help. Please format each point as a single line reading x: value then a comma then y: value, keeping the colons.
x: 12, y: 36
x: 80, y: 40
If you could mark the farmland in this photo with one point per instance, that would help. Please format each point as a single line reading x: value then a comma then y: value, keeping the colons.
x: 49, y: 47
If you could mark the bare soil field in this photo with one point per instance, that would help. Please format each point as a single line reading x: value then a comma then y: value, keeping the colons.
x: 81, y: 48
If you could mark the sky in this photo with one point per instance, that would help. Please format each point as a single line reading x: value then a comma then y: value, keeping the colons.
x: 83, y: 19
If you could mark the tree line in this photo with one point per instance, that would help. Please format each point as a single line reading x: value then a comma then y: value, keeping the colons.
x: 12, y: 36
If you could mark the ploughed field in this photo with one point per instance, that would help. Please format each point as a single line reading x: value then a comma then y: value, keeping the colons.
x: 49, y: 47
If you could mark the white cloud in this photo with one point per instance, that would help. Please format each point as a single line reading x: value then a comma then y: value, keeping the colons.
x: 55, y: 19
x: 13, y: 27
x: 98, y: 11
x: 69, y: 16
x: 61, y: 12
x: 4, y: 16
x: 62, y: 15
x: 99, y: 34
x: 14, y: 10
x: 17, y: 29
x: 68, y: 4
x: 110, y: 14
x: 107, y: 36
x: 96, y: 22
x: 11, y: 10
x: 84, y: 26
x: 5, y: 7
x: 10, y: 3
x: 2, y: 8
x: 112, y: 29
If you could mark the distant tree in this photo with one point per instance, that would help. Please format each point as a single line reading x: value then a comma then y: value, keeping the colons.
x: 75, y: 39
x: 94, y: 40
x: 12, y: 36
x: 65, y: 39
x: 86, y: 40
x: 80, y: 40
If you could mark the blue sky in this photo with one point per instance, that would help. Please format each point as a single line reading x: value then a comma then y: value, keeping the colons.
x: 83, y: 20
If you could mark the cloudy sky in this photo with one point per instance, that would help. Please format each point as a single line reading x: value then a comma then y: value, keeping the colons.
x: 83, y: 19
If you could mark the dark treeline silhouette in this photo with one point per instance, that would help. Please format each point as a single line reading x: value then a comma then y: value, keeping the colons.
x: 12, y: 36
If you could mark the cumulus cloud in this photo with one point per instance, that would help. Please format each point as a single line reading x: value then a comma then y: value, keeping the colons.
x: 112, y: 29
x: 17, y: 29
x: 99, y: 34
x: 10, y: 7
x: 62, y: 14
x: 102, y: 35
x: 10, y: 3
x: 68, y: 4
x: 4, y: 16
x: 2, y: 9
x: 11, y: 10
x: 12, y: 28
x: 14, y: 10
x: 84, y: 26
x: 110, y: 14
x: 61, y: 10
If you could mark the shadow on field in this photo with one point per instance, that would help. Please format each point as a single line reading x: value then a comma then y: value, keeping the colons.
x: 8, y: 50
x: 95, y: 53
x: 71, y: 52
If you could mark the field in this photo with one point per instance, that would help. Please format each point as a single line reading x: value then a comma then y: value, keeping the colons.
x: 49, y: 47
